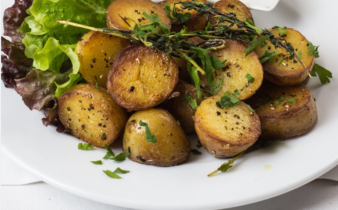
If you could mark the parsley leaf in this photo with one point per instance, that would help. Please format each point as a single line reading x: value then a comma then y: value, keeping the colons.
x: 279, y: 100
x: 98, y: 162
x: 120, y: 171
x: 195, y: 152
x: 175, y: 16
x: 157, y: 22
x: 149, y: 137
x: 198, y: 145
x: 111, y: 174
x: 282, y: 30
x: 96, y: 83
x: 250, y: 108
x: 110, y: 152
x: 250, y: 78
x: 191, y: 101
x: 300, y: 54
x: 229, y: 100
x: 291, y: 100
x: 216, y: 64
x: 253, y: 45
x: 313, y: 50
x: 85, y: 146
x: 195, y: 78
x: 227, y: 165
x: 120, y: 157
x: 323, y: 74
x: 267, y: 56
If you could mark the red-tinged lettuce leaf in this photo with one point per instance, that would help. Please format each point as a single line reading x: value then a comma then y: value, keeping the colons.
x: 15, y: 65
x: 13, y: 18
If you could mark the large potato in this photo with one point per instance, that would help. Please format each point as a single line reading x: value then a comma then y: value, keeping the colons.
x: 195, y: 23
x: 180, y: 107
x: 91, y: 114
x: 283, y: 69
x: 231, y: 6
x: 122, y: 14
x: 172, y: 146
x: 141, y: 78
x: 226, y: 131
x: 284, y: 112
x: 96, y: 52
x: 237, y: 69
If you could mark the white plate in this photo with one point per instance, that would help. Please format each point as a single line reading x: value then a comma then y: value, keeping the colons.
x: 55, y: 158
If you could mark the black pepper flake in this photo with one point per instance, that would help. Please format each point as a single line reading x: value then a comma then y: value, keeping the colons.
x: 237, y: 116
x: 237, y: 123
x: 140, y: 159
x: 294, y: 61
x: 104, y: 126
x: 218, y: 113
x: 231, y: 6
x: 269, y: 48
x: 83, y: 127
x: 132, y: 88
x: 105, y: 54
x: 139, y: 20
x: 111, y: 63
x: 243, y: 127
x: 68, y: 109
x: 91, y: 106
x: 94, y: 60
x: 170, y: 134
x: 228, y: 74
x: 103, y: 137
x: 165, y: 74
x: 80, y: 101
x: 106, y: 65
x: 100, y: 124
x: 151, y: 11
x: 91, y: 66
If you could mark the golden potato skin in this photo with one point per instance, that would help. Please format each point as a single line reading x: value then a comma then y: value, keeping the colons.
x: 180, y: 108
x: 96, y: 52
x: 237, y: 67
x: 91, y: 114
x: 231, y: 6
x: 172, y: 146
x: 133, y: 9
x: 282, y: 119
x: 289, y: 71
x: 141, y: 78
x: 195, y: 23
x: 226, y: 132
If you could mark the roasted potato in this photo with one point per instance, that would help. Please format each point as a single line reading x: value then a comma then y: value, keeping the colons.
x: 226, y: 131
x: 172, y: 146
x: 284, y: 112
x: 285, y: 69
x: 182, y: 68
x: 242, y: 73
x: 195, y: 23
x: 180, y: 107
x: 141, y: 78
x: 91, y: 114
x: 96, y: 52
x: 231, y: 6
x: 122, y: 14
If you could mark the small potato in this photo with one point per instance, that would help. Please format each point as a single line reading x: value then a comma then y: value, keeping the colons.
x: 121, y: 14
x: 283, y: 69
x: 180, y: 108
x: 284, y: 112
x: 182, y: 68
x: 236, y: 71
x: 226, y: 131
x: 141, y: 78
x: 231, y: 6
x: 195, y: 23
x: 172, y: 146
x: 91, y: 114
x: 96, y: 52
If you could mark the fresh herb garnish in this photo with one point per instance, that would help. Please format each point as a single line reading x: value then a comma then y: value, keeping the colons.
x: 175, y: 16
x: 111, y: 174
x: 227, y: 165
x: 110, y: 154
x: 323, y: 74
x: 97, y: 162
x: 195, y: 152
x: 282, y: 30
x: 149, y: 137
x: 96, y: 83
x: 291, y: 100
x: 300, y: 54
x: 192, y: 102
x: 199, y: 145
x: 229, y: 100
x: 313, y: 50
x: 267, y: 56
x: 120, y: 171
x: 85, y: 146
x: 250, y: 108
x: 279, y: 100
x: 250, y: 78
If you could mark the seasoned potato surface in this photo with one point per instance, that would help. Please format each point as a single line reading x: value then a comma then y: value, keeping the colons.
x: 172, y: 146
x: 141, y: 78
x: 91, y: 114
x: 96, y: 52
x: 226, y: 131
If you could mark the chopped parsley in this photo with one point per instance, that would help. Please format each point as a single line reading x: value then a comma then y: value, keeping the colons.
x: 110, y: 154
x: 291, y: 100
x: 85, y: 146
x: 313, y: 50
x: 195, y: 152
x: 120, y: 171
x: 96, y: 83
x: 323, y: 74
x: 98, y: 162
x: 250, y: 78
x: 149, y: 137
x: 267, y: 56
x: 279, y: 100
x: 282, y: 30
x: 191, y: 101
x: 227, y: 165
x: 111, y: 174
x: 229, y: 100
x: 198, y: 145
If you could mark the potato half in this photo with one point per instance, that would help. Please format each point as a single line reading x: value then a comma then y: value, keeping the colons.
x: 195, y: 23
x: 172, y: 146
x: 122, y: 14
x: 226, y: 131
x: 141, y: 78
x: 284, y: 112
x: 283, y: 69
x: 232, y: 6
x: 96, y: 52
x: 91, y: 114
x: 237, y: 69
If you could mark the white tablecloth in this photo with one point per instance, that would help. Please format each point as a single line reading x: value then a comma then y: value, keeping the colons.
x: 23, y: 191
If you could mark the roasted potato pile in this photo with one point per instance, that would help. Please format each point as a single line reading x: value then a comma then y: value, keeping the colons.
x: 91, y: 114
x: 162, y: 87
